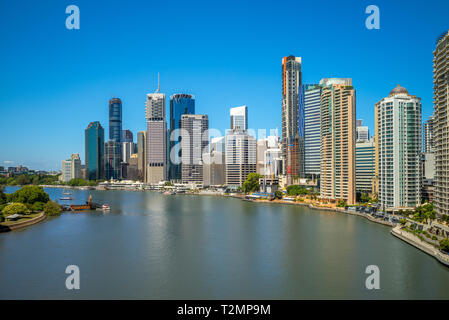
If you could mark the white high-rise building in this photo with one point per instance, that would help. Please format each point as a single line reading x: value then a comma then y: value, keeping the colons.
x: 240, y: 157
x: 71, y: 168
x: 398, y: 147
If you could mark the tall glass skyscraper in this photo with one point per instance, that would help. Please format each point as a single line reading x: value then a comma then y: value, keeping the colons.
x: 180, y: 104
x: 312, y: 126
x: 112, y: 160
x: 94, y: 151
x: 115, y: 119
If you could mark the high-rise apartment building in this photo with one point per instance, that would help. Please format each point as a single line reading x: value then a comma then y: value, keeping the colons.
x: 312, y: 126
x: 214, y: 168
x: 365, y: 165
x: 115, y: 119
x: 112, y: 160
x: 441, y: 125
x: 156, y: 151
x: 66, y: 170
x: 337, y: 152
x: 239, y: 118
x: 141, y: 154
x: 291, y: 144
x: 180, y: 104
x: 194, y: 142
x: 427, y: 135
x: 94, y: 151
x: 398, y: 144
x: 240, y: 157
x: 76, y: 166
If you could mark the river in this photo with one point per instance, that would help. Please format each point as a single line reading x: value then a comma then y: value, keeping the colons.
x: 154, y: 246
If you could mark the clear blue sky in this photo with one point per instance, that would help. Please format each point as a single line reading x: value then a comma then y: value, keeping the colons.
x: 54, y: 81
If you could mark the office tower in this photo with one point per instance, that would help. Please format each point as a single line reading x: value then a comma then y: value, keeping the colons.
x: 312, y: 125
x: 337, y: 152
x: 427, y: 136
x: 156, y: 151
x: 240, y: 157
x: 291, y: 87
x: 239, y: 118
x: 127, y: 136
x: 362, y: 132
x: 94, y: 151
x: 115, y: 119
x: 398, y: 145
x: 128, y: 148
x: 365, y: 165
x: 76, y: 166
x: 66, y: 170
x: 214, y: 171
x: 194, y: 142
x: 179, y: 104
x: 132, y: 170
x: 141, y: 154
x: 440, y: 125
x: 112, y: 160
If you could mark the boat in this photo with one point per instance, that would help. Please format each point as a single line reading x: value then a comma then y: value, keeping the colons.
x: 68, y: 193
x: 66, y: 198
x: 105, y: 207
x: 170, y: 193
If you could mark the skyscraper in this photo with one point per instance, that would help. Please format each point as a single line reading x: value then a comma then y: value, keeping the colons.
x: 240, y: 157
x: 398, y: 144
x: 291, y: 84
x: 94, y: 151
x: 76, y: 166
x: 239, y: 118
x: 156, y: 151
x: 194, y: 142
x: 112, y: 160
x: 312, y: 125
x: 115, y: 119
x: 441, y: 126
x: 180, y: 104
x: 337, y: 171
x: 141, y: 154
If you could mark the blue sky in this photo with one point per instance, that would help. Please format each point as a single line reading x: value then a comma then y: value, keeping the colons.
x: 54, y: 81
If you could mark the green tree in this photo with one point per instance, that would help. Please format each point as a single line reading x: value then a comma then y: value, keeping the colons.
x: 37, y: 206
x: 341, y: 203
x: 30, y: 195
x: 15, y: 208
x: 252, y: 183
x: 77, y: 182
x: 295, y: 190
x: 52, y: 208
x: 444, y: 245
x: 278, y: 194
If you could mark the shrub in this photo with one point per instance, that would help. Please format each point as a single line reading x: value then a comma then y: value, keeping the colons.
x: 434, y: 238
x: 444, y: 245
x: 278, y: 194
x: 52, y: 208
x: 37, y: 206
x: 15, y: 208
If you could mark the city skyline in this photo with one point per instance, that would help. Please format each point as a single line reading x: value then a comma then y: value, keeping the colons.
x: 67, y: 95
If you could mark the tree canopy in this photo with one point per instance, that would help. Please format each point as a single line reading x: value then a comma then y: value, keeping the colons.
x: 52, y: 208
x: 15, y: 208
x: 252, y: 183
x: 30, y: 195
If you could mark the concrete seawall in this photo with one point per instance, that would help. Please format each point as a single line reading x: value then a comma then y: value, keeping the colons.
x: 23, y: 224
x: 422, y: 245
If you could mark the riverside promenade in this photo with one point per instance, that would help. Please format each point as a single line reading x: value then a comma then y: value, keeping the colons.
x: 420, y: 244
x: 22, y: 224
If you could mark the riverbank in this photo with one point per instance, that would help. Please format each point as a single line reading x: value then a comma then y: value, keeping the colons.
x: 22, y: 224
x: 420, y: 244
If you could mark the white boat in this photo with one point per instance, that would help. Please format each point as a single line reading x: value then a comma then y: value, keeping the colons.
x: 105, y: 207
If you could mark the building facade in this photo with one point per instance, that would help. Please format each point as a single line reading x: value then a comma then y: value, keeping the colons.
x: 365, y: 157
x: 239, y: 118
x: 427, y: 135
x: 115, y: 119
x: 441, y: 126
x: 141, y: 154
x: 337, y: 151
x: 194, y: 142
x: 312, y: 126
x: 240, y: 157
x: 180, y: 104
x: 398, y: 125
x: 94, y: 151
x: 291, y: 87
x: 156, y: 138
x: 112, y: 160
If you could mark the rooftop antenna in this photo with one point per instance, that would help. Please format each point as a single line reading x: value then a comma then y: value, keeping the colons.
x: 158, y: 84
